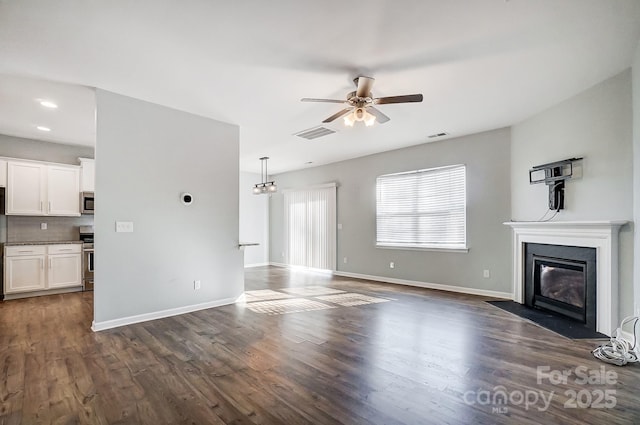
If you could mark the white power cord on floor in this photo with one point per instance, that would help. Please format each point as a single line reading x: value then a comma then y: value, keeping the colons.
x: 619, y: 351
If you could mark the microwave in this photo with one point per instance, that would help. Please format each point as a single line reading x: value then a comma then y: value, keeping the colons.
x: 86, y: 202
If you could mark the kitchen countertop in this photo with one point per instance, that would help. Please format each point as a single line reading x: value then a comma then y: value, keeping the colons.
x: 40, y: 243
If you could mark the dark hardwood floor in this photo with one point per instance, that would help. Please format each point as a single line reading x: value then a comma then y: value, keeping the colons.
x: 422, y: 357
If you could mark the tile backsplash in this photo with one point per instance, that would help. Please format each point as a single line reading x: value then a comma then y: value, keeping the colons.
x: 27, y: 229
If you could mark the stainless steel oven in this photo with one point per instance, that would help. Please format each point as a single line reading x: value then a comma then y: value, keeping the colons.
x: 88, y: 257
x: 87, y: 202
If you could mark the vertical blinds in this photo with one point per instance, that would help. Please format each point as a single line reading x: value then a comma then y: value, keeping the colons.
x: 422, y: 208
x: 310, y: 217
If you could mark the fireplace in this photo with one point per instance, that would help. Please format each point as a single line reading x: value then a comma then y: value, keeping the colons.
x: 562, y: 280
x: 601, y: 236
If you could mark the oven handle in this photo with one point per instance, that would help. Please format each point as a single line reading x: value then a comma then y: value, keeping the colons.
x: 90, y: 265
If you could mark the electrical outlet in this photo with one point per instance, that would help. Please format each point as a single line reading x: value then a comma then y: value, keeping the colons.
x: 283, y: 255
x: 43, y: 226
x: 124, y: 226
x: 339, y: 226
x: 196, y: 285
x: 486, y: 274
x: 344, y: 260
x: 392, y: 265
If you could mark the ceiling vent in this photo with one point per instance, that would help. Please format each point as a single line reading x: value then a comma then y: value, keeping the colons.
x: 314, y: 133
x: 433, y: 136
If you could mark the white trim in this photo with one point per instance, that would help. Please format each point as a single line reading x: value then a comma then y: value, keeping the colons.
x: 19, y: 295
x: 427, y: 285
x: 123, y: 321
x: 274, y: 264
x: 431, y: 249
x: 602, y: 235
x: 248, y: 266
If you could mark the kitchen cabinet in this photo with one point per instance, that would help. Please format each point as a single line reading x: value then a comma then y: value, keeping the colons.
x: 3, y: 173
x: 31, y: 268
x: 63, y: 190
x: 24, y: 269
x: 64, y: 266
x: 87, y: 174
x: 39, y: 189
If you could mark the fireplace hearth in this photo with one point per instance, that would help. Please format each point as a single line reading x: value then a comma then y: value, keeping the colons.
x: 561, y: 280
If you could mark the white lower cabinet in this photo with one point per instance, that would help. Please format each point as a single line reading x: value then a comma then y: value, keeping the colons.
x: 30, y: 268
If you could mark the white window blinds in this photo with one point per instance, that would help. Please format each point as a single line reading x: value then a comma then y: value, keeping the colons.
x: 310, y: 217
x: 422, y: 208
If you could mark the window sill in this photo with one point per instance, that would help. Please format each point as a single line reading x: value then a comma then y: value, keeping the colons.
x: 433, y: 249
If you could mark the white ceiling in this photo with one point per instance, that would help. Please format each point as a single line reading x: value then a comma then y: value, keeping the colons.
x: 481, y: 64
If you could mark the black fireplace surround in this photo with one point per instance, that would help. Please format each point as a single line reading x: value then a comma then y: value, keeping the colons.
x: 561, y: 280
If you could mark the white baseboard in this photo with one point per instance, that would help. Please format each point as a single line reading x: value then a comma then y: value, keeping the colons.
x: 427, y: 285
x: 278, y: 264
x: 109, y: 324
x: 248, y: 266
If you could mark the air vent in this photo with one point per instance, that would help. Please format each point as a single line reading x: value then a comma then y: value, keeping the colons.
x: 433, y: 136
x: 314, y: 133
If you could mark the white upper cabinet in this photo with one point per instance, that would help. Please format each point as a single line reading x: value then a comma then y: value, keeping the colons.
x: 63, y: 190
x: 3, y: 173
x: 40, y: 189
x: 25, y: 188
x: 87, y: 174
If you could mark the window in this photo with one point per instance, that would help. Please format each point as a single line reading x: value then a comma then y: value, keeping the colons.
x: 422, y: 209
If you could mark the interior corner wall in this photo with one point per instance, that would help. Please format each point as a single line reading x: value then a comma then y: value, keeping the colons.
x: 597, y: 125
x: 254, y: 221
x: 486, y: 156
x: 635, y: 70
x: 146, y: 156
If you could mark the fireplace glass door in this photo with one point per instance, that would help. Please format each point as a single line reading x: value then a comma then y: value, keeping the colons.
x: 560, y: 286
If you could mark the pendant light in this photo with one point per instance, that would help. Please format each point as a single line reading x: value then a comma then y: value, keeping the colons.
x: 264, y: 186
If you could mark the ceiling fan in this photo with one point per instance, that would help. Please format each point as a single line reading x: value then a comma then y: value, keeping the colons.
x: 360, y: 104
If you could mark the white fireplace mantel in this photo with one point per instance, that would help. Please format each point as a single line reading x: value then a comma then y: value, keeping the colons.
x: 602, y: 235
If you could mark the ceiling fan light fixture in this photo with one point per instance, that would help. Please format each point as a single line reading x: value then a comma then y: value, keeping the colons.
x: 349, y: 120
x: 369, y: 119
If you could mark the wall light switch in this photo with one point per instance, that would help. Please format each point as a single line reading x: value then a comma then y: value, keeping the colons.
x: 43, y: 226
x: 345, y: 260
x: 339, y: 226
x: 392, y: 265
x: 124, y: 226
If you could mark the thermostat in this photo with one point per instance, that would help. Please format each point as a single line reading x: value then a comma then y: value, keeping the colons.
x: 186, y: 198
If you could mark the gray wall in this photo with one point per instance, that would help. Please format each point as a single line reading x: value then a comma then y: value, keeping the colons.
x: 636, y: 175
x: 487, y: 157
x: 597, y: 125
x: 16, y: 147
x: 254, y: 220
x: 146, y: 155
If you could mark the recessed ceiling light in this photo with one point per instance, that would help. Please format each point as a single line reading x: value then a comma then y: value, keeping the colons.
x: 48, y: 104
x: 43, y: 128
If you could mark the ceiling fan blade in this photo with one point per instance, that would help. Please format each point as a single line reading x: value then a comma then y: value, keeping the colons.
x: 398, y: 99
x: 338, y: 115
x: 382, y: 118
x: 364, y: 86
x: 310, y: 99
